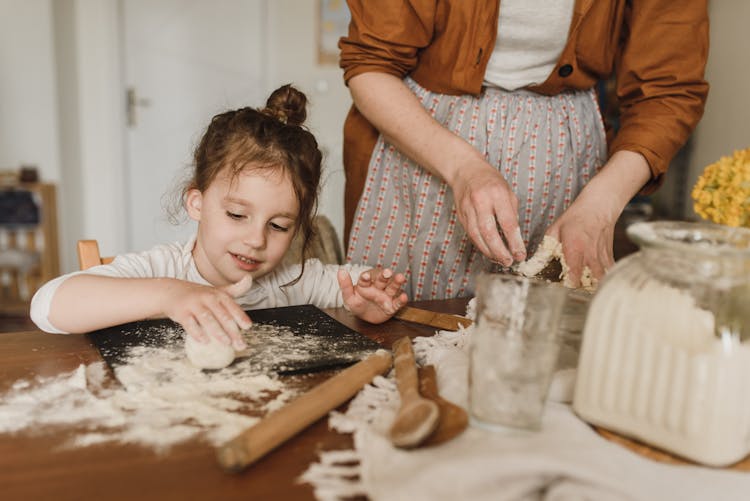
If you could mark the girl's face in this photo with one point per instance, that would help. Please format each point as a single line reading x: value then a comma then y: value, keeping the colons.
x: 245, y: 224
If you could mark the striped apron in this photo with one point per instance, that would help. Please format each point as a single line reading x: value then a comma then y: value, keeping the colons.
x: 546, y: 147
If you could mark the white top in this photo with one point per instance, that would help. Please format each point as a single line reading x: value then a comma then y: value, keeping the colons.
x: 317, y: 286
x: 531, y: 35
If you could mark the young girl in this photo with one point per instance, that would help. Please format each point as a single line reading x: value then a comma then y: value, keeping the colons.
x: 255, y: 185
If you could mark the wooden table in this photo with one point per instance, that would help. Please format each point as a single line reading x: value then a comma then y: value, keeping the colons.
x: 33, y: 467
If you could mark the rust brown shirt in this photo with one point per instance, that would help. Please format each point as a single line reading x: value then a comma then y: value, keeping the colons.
x: 656, y: 48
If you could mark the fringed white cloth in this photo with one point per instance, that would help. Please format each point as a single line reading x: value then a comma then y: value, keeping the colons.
x: 566, y: 460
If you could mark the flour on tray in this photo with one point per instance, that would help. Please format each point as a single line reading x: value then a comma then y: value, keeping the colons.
x: 162, y: 400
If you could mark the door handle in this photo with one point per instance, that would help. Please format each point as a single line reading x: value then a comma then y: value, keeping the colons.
x: 132, y: 102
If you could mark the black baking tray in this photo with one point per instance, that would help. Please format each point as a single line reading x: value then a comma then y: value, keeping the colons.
x: 286, y: 340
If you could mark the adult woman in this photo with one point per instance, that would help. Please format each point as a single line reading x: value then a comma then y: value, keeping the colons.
x: 457, y: 125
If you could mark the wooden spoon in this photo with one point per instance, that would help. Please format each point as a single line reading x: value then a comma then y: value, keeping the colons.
x: 453, y: 418
x: 418, y: 417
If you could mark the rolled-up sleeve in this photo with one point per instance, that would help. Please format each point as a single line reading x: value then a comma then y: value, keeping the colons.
x: 170, y: 260
x: 660, y: 79
x: 41, y: 302
x: 386, y: 36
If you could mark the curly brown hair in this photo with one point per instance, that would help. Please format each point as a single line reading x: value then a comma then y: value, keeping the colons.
x: 268, y: 138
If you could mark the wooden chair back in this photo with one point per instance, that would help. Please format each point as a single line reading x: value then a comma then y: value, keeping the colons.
x: 325, y: 244
x: 88, y: 255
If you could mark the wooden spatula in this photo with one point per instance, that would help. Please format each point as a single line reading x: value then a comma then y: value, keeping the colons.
x: 453, y: 418
x: 418, y: 417
x: 444, y: 321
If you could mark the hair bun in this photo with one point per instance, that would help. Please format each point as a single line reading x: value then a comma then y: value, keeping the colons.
x: 287, y: 105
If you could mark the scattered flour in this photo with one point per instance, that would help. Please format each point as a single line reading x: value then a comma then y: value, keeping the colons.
x: 162, y: 400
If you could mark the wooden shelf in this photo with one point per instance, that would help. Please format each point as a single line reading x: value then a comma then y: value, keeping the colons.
x: 29, y: 252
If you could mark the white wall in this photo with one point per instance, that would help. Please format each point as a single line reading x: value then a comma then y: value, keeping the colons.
x: 293, y: 59
x: 28, y: 88
x: 61, y: 106
x: 71, y: 183
x: 89, y: 99
x: 725, y: 126
x: 100, y: 119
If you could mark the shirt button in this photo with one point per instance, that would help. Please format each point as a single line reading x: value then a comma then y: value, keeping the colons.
x: 565, y: 70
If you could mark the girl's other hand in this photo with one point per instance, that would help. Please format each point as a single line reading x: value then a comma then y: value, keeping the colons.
x: 377, y: 295
x: 205, y: 311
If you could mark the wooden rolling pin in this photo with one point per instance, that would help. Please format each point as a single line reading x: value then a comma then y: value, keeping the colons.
x: 280, y: 425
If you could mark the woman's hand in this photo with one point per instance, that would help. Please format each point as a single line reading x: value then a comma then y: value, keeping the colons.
x: 377, y: 295
x: 586, y: 229
x: 485, y: 204
x: 483, y: 198
x: 586, y: 232
x: 205, y: 311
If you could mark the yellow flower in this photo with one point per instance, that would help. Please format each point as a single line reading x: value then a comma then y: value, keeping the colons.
x: 722, y: 192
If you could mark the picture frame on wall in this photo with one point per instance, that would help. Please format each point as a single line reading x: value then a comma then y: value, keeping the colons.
x: 333, y: 23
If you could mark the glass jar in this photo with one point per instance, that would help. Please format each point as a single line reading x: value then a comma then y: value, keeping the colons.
x: 665, y: 356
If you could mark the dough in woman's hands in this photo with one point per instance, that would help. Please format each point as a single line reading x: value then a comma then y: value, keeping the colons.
x: 548, y: 250
x: 211, y: 355
x: 551, y: 249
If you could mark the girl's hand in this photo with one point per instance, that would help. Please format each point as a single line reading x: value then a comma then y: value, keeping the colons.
x: 205, y: 311
x: 377, y: 295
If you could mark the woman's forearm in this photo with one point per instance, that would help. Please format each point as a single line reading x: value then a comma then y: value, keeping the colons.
x: 396, y: 112
x: 621, y: 178
x: 482, y: 197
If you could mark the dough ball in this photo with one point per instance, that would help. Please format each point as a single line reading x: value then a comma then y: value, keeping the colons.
x: 211, y: 355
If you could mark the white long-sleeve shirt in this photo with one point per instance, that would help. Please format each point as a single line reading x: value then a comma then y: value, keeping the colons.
x: 318, y: 285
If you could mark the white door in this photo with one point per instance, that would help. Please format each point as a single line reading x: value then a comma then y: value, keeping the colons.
x: 184, y: 61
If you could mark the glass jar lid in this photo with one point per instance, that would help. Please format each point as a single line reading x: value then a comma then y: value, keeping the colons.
x: 692, y: 238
